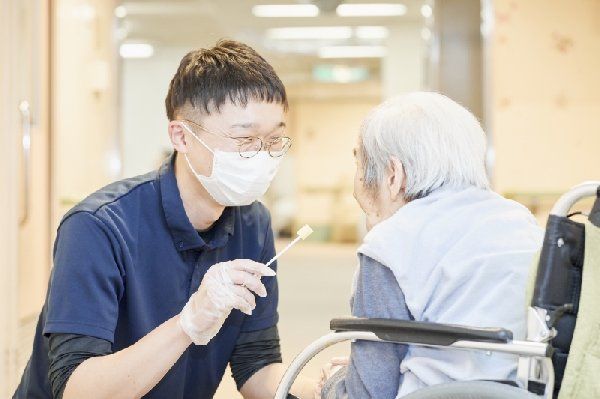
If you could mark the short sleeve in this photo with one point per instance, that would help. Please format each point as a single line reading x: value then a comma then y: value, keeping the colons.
x: 86, y: 283
x: 265, y: 314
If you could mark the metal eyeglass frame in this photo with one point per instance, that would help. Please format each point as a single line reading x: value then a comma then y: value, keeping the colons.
x: 243, y: 154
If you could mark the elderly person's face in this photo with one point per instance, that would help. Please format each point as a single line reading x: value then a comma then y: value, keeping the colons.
x: 386, y: 197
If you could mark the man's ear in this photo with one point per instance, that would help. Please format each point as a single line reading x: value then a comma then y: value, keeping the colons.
x: 177, y: 136
x: 396, y: 179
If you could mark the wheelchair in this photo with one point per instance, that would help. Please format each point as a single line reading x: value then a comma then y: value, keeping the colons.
x: 551, y: 316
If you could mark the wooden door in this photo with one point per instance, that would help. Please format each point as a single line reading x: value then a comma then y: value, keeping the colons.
x: 25, y: 178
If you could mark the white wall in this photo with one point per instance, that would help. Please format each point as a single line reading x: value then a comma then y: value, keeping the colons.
x: 144, y: 86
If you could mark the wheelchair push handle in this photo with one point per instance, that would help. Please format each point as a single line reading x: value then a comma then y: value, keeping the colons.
x: 568, y: 199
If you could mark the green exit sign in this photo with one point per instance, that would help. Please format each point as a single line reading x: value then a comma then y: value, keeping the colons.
x: 340, y: 74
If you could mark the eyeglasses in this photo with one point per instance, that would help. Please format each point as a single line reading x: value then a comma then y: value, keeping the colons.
x: 251, y: 145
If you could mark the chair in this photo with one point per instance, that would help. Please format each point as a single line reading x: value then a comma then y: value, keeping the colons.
x: 552, y: 317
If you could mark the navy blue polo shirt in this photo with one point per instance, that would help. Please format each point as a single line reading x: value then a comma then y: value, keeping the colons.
x: 127, y: 258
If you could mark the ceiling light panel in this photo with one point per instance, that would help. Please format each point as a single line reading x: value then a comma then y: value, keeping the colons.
x: 352, y: 51
x: 285, y: 10
x: 136, y: 50
x: 371, y: 10
x: 310, y: 32
x: 372, y: 32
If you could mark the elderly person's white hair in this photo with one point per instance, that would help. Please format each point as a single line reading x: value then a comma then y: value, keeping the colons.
x: 438, y: 142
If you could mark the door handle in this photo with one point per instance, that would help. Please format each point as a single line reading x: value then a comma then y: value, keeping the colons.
x: 24, y: 110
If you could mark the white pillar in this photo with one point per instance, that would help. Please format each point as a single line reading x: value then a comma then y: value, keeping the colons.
x: 402, y: 67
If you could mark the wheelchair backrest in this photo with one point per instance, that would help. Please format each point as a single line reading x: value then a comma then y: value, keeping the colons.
x: 558, y: 281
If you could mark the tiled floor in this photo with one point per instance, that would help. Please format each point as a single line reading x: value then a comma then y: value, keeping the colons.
x: 314, y: 286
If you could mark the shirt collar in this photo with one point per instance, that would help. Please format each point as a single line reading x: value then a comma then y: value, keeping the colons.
x: 184, y: 235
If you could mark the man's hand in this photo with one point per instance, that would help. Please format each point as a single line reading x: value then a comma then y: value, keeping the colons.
x: 225, y: 286
x: 329, y: 369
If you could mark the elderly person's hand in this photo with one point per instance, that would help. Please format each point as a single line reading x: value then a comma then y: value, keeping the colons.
x: 329, y: 369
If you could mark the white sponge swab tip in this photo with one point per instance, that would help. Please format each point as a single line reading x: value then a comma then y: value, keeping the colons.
x: 305, y: 231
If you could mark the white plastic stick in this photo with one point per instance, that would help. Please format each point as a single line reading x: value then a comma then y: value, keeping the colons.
x: 304, y: 232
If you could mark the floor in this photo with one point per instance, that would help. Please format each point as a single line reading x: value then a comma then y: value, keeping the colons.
x: 314, y: 287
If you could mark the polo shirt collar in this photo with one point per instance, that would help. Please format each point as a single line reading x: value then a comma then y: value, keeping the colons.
x: 183, y: 233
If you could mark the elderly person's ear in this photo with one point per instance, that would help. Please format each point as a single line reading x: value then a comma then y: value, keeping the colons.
x: 396, y: 179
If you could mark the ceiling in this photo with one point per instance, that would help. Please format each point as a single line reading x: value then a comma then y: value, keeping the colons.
x: 200, y: 23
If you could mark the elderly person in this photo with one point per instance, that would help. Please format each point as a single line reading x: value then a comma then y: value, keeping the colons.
x: 441, y: 247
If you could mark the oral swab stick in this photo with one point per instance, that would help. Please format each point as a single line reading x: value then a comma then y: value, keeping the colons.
x: 304, y: 232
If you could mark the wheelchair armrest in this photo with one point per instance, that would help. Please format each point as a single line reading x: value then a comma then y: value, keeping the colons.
x: 417, y: 332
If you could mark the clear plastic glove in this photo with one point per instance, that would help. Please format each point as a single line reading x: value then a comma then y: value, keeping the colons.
x: 334, y: 365
x: 225, y: 286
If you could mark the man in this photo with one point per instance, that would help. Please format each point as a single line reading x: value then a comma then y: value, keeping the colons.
x: 147, y: 266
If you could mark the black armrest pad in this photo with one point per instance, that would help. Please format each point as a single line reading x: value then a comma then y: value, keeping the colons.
x: 418, y: 332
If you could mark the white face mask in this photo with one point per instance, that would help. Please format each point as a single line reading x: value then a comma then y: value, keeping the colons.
x: 236, y: 181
